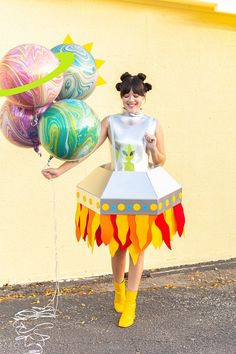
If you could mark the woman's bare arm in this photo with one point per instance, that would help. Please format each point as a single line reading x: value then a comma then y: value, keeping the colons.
x: 155, y: 145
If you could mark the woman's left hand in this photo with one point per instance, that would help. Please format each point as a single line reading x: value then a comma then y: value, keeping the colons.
x: 151, y: 141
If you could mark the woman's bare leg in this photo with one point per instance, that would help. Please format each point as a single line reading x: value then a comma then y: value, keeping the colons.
x: 118, y: 265
x: 135, y: 273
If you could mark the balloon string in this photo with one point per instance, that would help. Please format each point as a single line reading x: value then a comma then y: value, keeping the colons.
x: 49, y: 160
x: 34, y: 138
x: 34, y: 338
x: 34, y: 120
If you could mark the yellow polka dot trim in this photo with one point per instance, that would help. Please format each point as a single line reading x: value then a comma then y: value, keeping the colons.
x: 153, y: 207
x: 167, y: 202
x: 78, y: 194
x: 105, y: 207
x: 180, y: 195
x: 160, y: 206
x: 98, y: 205
x: 173, y: 198
x: 90, y: 201
x: 136, y: 207
x: 121, y: 207
x: 84, y: 198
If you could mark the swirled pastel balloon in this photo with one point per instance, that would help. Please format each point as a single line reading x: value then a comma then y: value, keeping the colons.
x: 19, y: 125
x: 81, y: 77
x: 25, y: 64
x: 69, y: 129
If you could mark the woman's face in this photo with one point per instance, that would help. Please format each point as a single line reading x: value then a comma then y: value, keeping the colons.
x: 132, y: 102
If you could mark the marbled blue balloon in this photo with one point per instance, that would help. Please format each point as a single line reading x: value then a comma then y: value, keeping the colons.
x: 69, y: 129
x: 80, y: 79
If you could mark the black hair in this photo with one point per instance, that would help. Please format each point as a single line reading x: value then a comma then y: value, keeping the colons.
x: 133, y: 82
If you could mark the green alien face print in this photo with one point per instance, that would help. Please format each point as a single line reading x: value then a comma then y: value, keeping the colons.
x: 125, y: 153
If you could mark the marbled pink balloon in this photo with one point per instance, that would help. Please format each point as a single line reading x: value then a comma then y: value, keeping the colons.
x: 20, y: 125
x: 25, y: 64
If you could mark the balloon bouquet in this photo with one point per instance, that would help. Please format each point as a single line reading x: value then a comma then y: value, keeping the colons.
x: 52, y: 114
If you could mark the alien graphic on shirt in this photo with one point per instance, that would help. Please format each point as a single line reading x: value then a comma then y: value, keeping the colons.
x: 127, y: 152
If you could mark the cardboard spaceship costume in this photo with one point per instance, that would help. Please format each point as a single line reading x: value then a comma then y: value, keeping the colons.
x: 129, y: 204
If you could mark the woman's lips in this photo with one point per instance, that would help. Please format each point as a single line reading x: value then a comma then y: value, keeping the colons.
x: 131, y: 105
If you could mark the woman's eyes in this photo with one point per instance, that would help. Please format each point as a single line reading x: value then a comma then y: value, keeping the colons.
x: 127, y: 96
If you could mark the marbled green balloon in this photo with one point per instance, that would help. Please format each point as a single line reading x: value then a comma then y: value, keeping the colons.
x: 79, y: 80
x: 69, y: 129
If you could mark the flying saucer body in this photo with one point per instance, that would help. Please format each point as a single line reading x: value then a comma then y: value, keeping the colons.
x: 126, y: 208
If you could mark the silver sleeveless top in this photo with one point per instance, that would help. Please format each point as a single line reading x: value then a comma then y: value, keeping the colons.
x: 128, y: 145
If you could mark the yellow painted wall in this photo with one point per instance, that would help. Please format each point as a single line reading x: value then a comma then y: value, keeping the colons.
x: 189, y: 57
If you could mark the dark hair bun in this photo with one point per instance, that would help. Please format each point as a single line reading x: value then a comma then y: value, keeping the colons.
x: 147, y: 87
x: 141, y: 76
x: 118, y: 86
x: 135, y: 83
x: 125, y: 75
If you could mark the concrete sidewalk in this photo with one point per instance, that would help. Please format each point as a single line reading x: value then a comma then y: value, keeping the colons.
x: 179, y: 310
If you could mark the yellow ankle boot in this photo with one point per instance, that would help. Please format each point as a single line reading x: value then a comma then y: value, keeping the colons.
x: 119, y: 299
x: 128, y: 316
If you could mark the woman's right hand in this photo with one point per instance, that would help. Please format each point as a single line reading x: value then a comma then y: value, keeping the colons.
x: 50, y: 173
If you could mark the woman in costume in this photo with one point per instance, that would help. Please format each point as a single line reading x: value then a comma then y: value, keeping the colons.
x: 134, y: 138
